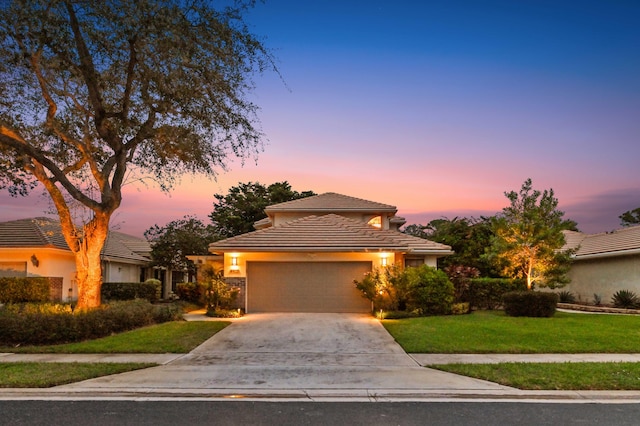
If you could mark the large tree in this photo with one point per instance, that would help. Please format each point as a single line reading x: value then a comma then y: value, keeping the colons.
x: 528, y: 238
x: 97, y: 92
x: 236, y: 212
x: 630, y: 217
x: 468, y: 238
x: 171, y: 243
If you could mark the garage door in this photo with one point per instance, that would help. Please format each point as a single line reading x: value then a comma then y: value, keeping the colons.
x: 305, y: 287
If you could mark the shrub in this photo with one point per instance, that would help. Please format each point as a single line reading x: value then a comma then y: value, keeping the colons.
x: 626, y: 299
x: 128, y: 291
x: 460, y: 308
x: 486, y: 293
x: 431, y: 291
x: 530, y: 303
x: 461, y: 277
x: 566, y: 297
x: 597, y: 299
x: 224, y: 313
x: 24, y: 289
x: 190, y: 292
x: 46, y: 324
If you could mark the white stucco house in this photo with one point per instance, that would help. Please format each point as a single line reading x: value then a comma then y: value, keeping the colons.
x: 604, y: 263
x: 35, y: 247
x: 306, y: 254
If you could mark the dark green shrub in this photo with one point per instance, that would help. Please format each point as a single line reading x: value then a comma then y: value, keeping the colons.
x: 24, y: 289
x: 47, y: 324
x: 190, y: 292
x: 224, y: 313
x: 130, y: 291
x: 530, y: 303
x: 431, y: 291
x: 566, y: 297
x: 486, y: 293
x: 626, y: 299
x: 461, y: 277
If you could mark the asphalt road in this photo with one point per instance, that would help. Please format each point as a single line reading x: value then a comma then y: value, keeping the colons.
x: 309, y: 413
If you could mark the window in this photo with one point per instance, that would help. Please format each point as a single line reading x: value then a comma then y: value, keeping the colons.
x: 376, y: 222
x: 13, y: 269
x: 413, y: 262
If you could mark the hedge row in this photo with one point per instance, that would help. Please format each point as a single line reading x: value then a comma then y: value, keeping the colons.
x: 149, y: 290
x: 486, y: 293
x: 530, y: 304
x: 24, y: 289
x: 47, y: 324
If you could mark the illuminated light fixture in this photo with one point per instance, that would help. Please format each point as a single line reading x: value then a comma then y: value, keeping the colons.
x: 383, y: 261
x: 234, y: 264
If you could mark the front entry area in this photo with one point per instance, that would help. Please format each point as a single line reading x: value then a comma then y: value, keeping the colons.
x: 306, y: 287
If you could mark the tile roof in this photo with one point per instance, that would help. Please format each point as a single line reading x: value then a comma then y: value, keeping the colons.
x: 619, y: 242
x: 329, y: 233
x: 331, y: 202
x: 34, y: 232
x: 46, y: 233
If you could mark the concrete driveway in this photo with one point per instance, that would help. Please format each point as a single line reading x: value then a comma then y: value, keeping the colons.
x: 292, y: 354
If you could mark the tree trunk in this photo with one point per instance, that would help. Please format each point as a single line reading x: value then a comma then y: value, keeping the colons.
x: 88, y: 262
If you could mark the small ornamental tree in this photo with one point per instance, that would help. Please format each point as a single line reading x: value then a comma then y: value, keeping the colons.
x: 528, y: 238
x: 630, y: 217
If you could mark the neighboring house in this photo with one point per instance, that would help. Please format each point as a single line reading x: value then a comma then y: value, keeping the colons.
x: 604, y: 263
x: 306, y: 254
x: 36, y: 248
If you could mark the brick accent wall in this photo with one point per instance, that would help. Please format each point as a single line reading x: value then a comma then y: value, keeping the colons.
x: 55, y: 289
x: 241, y: 283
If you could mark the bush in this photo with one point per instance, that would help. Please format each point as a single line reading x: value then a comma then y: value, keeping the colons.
x: 486, y: 293
x: 190, y: 292
x: 24, y: 289
x: 625, y: 299
x: 129, y: 291
x: 530, y: 303
x: 460, y: 308
x: 566, y: 297
x: 461, y: 277
x: 431, y: 291
x: 46, y: 324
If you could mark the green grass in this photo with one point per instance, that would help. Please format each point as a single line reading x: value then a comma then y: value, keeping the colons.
x: 494, y: 332
x: 170, y: 337
x: 46, y: 374
x: 565, y: 376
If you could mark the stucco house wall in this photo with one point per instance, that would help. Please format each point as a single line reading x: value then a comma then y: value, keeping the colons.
x: 604, y: 276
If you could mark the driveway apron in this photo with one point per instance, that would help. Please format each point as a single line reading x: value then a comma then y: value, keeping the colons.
x: 299, y: 352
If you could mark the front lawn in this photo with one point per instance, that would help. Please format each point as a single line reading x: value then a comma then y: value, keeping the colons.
x: 494, y: 332
x: 547, y: 376
x: 48, y: 374
x: 169, y: 337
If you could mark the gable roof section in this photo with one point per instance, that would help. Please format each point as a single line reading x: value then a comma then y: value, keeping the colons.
x: 126, y: 248
x: 34, y: 232
x: 328, y: 233
x: 621, y: 242
x: 330, y: 202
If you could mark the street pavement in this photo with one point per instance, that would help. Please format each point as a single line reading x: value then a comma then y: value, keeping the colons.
x: 317, y: 357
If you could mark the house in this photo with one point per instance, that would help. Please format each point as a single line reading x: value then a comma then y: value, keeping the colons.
x: 305, y: 256
x: 36, y: 248
x: 604, y: 263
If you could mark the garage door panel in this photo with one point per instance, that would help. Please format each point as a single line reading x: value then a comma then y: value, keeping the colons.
x: 305, y: 287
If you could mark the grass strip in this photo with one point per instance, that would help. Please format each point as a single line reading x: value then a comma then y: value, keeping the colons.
x: 554, y: 376
x: 494, y: 332
x: 170, y: 337
x: 48, y: 374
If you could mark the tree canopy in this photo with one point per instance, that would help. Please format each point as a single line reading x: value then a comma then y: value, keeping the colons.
x: 630, y: 218
x: 528, y: 238
x: 236, y: 212
x: 96, y: 93
x: 171, y: 243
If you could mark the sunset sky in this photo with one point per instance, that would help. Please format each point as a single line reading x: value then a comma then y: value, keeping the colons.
x: 436, y: 107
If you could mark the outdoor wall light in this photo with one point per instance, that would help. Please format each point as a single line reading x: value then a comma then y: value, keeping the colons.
x: 383, y: 261
x: 34, y: 260
x: 234, y: 264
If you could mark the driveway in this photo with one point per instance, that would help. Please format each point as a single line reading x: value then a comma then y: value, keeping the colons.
x: 292, y: 354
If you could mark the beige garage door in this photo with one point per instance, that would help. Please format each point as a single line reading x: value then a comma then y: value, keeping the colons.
x: 305, y: 287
